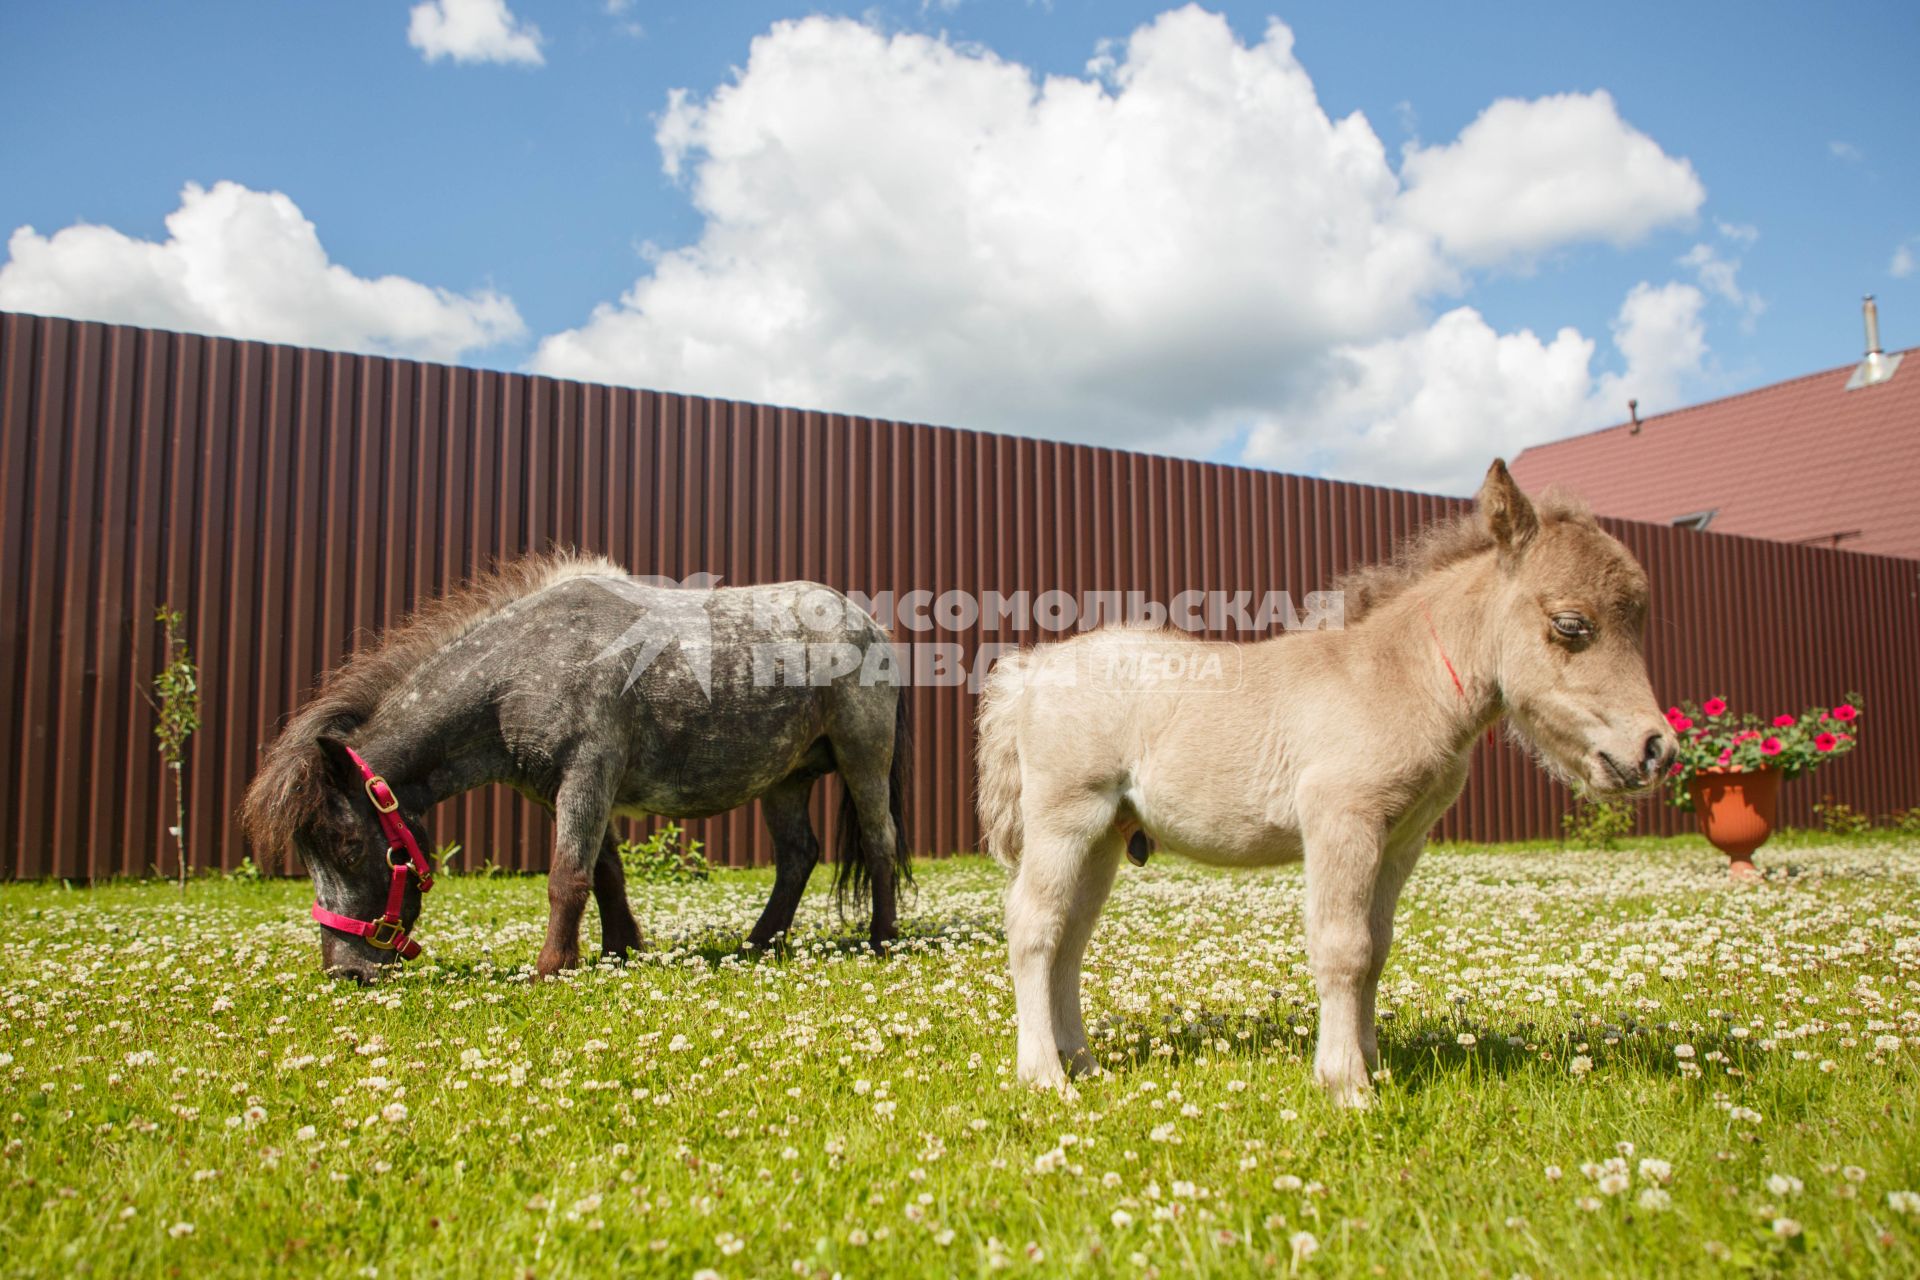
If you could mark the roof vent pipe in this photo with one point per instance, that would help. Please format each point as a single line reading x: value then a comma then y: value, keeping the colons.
x: 1877, y: 367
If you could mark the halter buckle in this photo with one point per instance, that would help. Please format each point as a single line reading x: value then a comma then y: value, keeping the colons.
x: 384, y: 933
x: 393, y: 801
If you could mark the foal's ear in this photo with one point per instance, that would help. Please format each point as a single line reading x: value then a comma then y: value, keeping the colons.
x: 342, y: 772
x: 1509, y: 516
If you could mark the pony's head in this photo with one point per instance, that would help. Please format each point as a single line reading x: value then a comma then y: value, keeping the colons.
x: 310, y: 798
x: 1568, y: 613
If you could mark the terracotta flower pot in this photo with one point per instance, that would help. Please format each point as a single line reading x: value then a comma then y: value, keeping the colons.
x: 1736, y: 812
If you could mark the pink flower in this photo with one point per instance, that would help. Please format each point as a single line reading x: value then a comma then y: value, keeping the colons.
x: 1845, y: 711
x: 1771, y: 747
x: 1714, y: 706
x: 1726, y: 755
x: 1825, y: 742
x: 1781, y: 722
x: 1681, y: 724
x: 1674, y: 770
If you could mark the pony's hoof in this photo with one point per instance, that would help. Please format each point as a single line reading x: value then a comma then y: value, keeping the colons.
x: 546, y: 969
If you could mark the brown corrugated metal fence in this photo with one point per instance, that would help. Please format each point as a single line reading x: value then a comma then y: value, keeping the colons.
x: 295, y: 502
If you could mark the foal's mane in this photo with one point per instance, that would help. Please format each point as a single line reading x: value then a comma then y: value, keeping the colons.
x: 1433, y: 548
x: 291, y: 784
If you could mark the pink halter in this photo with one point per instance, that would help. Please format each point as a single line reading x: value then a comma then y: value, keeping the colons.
x: 404, y: 856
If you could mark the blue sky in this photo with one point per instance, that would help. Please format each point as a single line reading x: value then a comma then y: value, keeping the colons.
x: 528, y: 195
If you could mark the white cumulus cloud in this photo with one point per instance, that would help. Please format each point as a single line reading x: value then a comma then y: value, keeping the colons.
x: 473, y: 31
x: 898, y: 226
x: 1426, y: 410
x: 245, y: 264
x: 1527, y: 176
x: 1160, y: 253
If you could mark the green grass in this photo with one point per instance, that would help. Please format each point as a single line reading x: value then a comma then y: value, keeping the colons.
x: 167, y: 1062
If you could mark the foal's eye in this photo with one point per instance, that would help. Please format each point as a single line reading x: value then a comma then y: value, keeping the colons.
x: 1572, y: 626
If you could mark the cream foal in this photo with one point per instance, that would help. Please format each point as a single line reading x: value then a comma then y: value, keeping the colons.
x: 1342, y: 747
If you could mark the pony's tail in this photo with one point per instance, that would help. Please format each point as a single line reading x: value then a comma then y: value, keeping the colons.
x: 998, y: 762
x: 852, y: 875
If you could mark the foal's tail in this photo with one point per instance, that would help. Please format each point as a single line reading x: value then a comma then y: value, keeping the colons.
x: 853, y: 873
x: 998, y: 762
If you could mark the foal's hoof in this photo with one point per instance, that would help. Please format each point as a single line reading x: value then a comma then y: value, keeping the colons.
x: 1080, y: 1064
x: 1353, y: 1098
x: 1349, y: 1095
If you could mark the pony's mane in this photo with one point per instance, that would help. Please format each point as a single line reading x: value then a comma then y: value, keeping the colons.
x: 291, y: 784
x: 1435, y: 547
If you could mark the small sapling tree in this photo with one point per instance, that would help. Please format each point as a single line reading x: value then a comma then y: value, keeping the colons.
x: 176, y: 706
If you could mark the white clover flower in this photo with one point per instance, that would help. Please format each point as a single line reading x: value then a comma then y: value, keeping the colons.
x: 1656, y: 1171
x: 1906, y: 1202
x: 1784, y: 1184
x: 1121, y: 1219
x: 180, y: 1230
x: 1655, y: 1200
x: 1304, y: 1246
x: 1786, y: 1228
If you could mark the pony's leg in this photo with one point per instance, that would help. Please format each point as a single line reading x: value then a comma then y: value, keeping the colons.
x: 1394, y: 869
x: 869, y: 785
x: 795, y: 849
x: 1089, y: 894
x: 619, y: 931
x: 1343, y: 866
x: 581, y: 809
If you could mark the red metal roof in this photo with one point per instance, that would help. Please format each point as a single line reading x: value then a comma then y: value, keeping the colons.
x: 1799, y: 461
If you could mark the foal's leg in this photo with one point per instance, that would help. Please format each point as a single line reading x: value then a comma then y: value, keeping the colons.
x: 1065, y: 871
x: 1394, y: 869
x: 619, y: 931
x: 795, y: 850
x: 1089, y: 894
x: 580, y: 810
x: 1343, y: 866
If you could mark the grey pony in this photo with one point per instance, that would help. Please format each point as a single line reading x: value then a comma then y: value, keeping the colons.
x: 596, y: 694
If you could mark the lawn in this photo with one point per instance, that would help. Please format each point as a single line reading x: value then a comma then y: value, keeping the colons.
x: 1600, y: 1064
